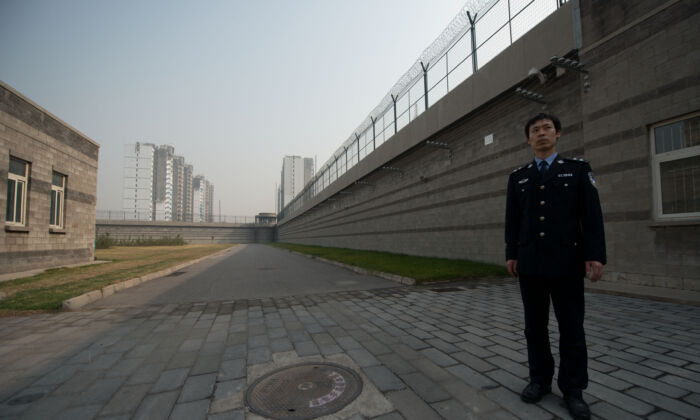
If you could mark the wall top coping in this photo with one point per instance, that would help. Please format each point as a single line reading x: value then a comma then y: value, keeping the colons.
x: 5, y: 86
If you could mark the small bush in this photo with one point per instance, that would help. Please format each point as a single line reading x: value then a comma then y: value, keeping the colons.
x: 104, y: 242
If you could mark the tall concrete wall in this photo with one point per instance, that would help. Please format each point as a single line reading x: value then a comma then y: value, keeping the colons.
x: 643, y: 60
x: 191, y: 233
x: 47, y: 144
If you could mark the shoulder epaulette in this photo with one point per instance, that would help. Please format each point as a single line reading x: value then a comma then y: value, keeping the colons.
x: 527, y: 165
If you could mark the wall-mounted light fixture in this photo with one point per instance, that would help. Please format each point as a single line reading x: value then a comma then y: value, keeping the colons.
x: 575, y: 65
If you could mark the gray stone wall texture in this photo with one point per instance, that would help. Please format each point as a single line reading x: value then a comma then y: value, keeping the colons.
x: 31, y: 133
x: 191, y: 233
x: 643, y: 58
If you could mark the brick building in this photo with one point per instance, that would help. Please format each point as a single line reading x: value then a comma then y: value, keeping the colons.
x: 635, y: 115
x: 48, y: 188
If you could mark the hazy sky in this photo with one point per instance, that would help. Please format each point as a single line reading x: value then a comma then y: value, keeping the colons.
x: 232, y: 85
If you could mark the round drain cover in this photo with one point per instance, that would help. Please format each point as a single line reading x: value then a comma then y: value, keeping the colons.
x: 304, y: 391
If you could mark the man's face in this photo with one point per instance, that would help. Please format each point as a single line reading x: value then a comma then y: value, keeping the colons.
x: 543, y: 136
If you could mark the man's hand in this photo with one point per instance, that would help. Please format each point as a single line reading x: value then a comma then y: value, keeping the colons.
x: 595, y: 270
x: 513, y: 267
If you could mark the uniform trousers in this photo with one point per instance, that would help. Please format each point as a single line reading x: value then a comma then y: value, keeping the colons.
x: 567, y: 298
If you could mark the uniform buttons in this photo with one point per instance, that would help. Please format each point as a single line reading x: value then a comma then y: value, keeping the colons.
x: 542, y: 203
x: 541, y: 187
x: 566, y: 185
x: 522, y: 190
x: 541, y: 234
x: 541, y: 218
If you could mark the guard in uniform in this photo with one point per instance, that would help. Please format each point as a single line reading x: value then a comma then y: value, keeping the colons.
x: 554, y: 237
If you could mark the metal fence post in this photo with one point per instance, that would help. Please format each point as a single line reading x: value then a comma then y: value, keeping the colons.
x: 425, y: 83
x: 472, y: 31
x: 357, y: 138
x: 394, y: 98
x: 374, y: 134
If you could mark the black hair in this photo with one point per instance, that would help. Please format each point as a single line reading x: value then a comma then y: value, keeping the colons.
x: 542, y: 116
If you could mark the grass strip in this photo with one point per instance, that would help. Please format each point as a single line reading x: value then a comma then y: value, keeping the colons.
x: 422, y: 269
x: 46, y: 291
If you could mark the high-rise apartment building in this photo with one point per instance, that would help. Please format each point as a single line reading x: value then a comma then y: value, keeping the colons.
x: 296, y: 173
x: 187, y: 193
x: 138, y: 181
x: 202, y: 190
x: 158, y: 185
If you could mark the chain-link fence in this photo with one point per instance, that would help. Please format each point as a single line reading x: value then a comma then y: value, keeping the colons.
x: 479, y: 32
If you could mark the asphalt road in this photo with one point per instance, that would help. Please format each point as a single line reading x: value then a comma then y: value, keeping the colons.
x: 250, y: 271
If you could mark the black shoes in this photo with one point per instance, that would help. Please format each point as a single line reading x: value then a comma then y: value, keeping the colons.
x: 534, y: 392
x: 577, y: 407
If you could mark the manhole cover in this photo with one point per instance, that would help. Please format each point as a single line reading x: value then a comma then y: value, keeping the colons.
x: 304, y: 391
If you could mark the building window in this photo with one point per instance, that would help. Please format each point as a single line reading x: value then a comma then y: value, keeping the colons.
x: 58, y: 191
x: 17, y: 177
x: 676, y: 168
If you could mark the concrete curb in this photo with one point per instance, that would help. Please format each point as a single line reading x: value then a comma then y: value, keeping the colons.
x: 388, y: 276
x: 89, y: 297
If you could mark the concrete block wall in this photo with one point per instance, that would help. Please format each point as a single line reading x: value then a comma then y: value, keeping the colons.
x: 454, y: 208
x: 191, y: 233
x: 31, y: 133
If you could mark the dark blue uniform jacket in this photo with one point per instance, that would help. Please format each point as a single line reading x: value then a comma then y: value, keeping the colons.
x: 554, y: 223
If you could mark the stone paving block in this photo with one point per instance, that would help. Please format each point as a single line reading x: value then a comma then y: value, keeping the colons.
x: 306, y: 348
x: 453, y: 410
x: 650, y: 384
x: 396, y: 363
x: 259, y: 355
x: 197, y: 388
x: 329, y: 349
x: 438, y: 357
x: 157, y: 406
x: 58, y: 376
x: 228, y: 396
x: 205, y: 364
x: 229, y: 415
x: 279, y: 345
x: 125, y: 367
x: 363, y: 358
x: 192, y: 344
x: 212, y: 348
x: 608, y: 380
x: 169, y: 380
x: 516, y: 356
x: 47, y: 407
x: 258, y: 341
x: 232, y: 369
x: 673, y: 405
x: 78, y: 383
x: 431, y: 370
x: 276, y: 333
x: 511, y: 402
x: 394, y: 415
x: 100, y: 391
x: 183, y: 359
x: 471, y: 377
x: 235, y: 351
x: 411, y: 406
x: 605, y: 410
x: 383, y: 378
x: 193, y: 410
x: 631, y: 404
x: 140, y: 351
x: 508, y: 380
x: 125, y: 400
x: 85, y: 412
x: 348, y: 343
x: 442, y: 345
x: 147, y: 373
x: 470, y: 397
x: 428, y: 390
x: 474, y: 362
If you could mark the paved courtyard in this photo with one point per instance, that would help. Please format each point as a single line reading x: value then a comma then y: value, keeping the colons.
x: 422, y: 354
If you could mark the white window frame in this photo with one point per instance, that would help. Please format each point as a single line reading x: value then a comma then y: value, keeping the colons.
x: 23, y: 181
x: 657, y: 159
x: 58, y: 211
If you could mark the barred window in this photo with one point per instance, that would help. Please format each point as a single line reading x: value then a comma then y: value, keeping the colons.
x: 676, y: 168
x: 17, y: 177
